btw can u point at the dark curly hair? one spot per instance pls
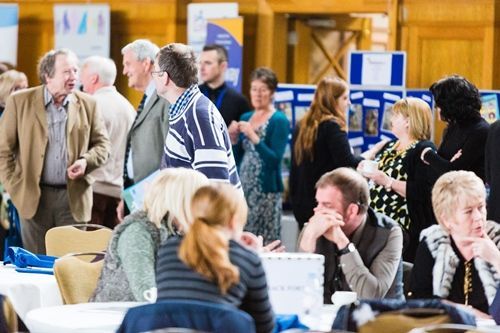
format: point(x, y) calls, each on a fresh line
point(458, 99)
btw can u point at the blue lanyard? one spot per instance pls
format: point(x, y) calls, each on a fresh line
point(218, 101)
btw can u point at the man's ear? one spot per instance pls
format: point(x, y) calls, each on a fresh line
point(352, 211)
point(95, 78)
point(147, 64)
point(223, 65)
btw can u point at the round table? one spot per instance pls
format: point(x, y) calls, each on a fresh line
point(79, 318)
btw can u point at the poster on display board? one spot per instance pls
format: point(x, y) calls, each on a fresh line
point(199, 13)
point(369, 119)
point(490, 108)
point(9, 27)
point(294, 101)
point(84, 29)
point(377, 70)
point(229, 33)
point(423, 94)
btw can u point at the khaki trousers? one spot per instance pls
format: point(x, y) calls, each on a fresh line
point(53, 211)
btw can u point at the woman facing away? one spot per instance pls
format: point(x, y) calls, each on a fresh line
point(210, 264)
point(129, 263)
point(403, 183)
point(259, 140)
point(458, 103)
point(452, 259)
point(320, 145)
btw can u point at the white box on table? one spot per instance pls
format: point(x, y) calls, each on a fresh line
point(295, 281)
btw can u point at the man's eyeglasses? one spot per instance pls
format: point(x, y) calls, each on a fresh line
point(159, 73)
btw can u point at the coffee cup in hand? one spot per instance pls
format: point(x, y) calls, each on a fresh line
point(340, 298)
point(369, 166)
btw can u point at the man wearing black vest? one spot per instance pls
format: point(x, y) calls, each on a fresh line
point(213, 67)
point(362, 248)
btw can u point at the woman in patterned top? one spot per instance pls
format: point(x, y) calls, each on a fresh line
point(129, 264)
point(210, 264)
point(259, 140)
point(403, 183)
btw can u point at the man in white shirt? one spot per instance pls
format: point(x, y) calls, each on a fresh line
point(98, 75)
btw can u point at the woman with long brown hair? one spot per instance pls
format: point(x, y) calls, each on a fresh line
point(319, 145)
point(210, 264)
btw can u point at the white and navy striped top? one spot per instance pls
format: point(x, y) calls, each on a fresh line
point(198, 139)
point(175, 280)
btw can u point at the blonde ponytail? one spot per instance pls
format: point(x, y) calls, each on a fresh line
point(205, 247)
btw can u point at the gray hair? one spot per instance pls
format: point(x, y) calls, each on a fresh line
point(47, 63)
point(143, 49)
point(104, 67)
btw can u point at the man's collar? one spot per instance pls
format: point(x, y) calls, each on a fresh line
point(150, 89)
point(48, 98)
point(105, 89)
point(178, 106)
point(219, 88)
point(356, 235)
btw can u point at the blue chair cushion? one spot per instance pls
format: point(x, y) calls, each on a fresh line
point(203, 316)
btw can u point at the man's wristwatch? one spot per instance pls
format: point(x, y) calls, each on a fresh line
point(348, 249)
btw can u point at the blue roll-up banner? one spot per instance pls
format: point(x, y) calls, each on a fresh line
point(228, 32)
point(9, 27)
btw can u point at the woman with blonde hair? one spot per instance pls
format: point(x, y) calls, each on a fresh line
point(129, 264)
point(10, 82)
point(210, 264)
point(403, 182)
point(320, 145)
point(453, 257)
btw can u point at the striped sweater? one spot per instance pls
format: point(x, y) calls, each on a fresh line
point(175, 280)
point(198, 139)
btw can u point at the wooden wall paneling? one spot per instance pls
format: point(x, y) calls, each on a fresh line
point(299, 65)
point(442, 41)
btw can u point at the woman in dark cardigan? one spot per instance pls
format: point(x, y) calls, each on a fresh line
point(319, 145)
point(458, 103)
point(403, 183)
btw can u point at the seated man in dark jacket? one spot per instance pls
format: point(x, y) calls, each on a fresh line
point(362, 248)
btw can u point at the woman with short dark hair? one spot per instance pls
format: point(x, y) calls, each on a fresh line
point(458, 103)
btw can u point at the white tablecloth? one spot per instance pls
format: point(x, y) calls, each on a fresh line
point(78, 318)
point(28, 291)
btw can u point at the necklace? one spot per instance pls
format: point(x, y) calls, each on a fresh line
point(467, 281)
point(393, 154)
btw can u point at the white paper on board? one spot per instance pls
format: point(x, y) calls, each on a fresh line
point(427, 98)
point(373, 103)
point(376, 69)
point(305, 97)
point(283, 96)
point(357, 95)
point(391, 97)
point(355, 142)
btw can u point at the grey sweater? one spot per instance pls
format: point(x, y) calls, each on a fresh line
point(129, 264)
